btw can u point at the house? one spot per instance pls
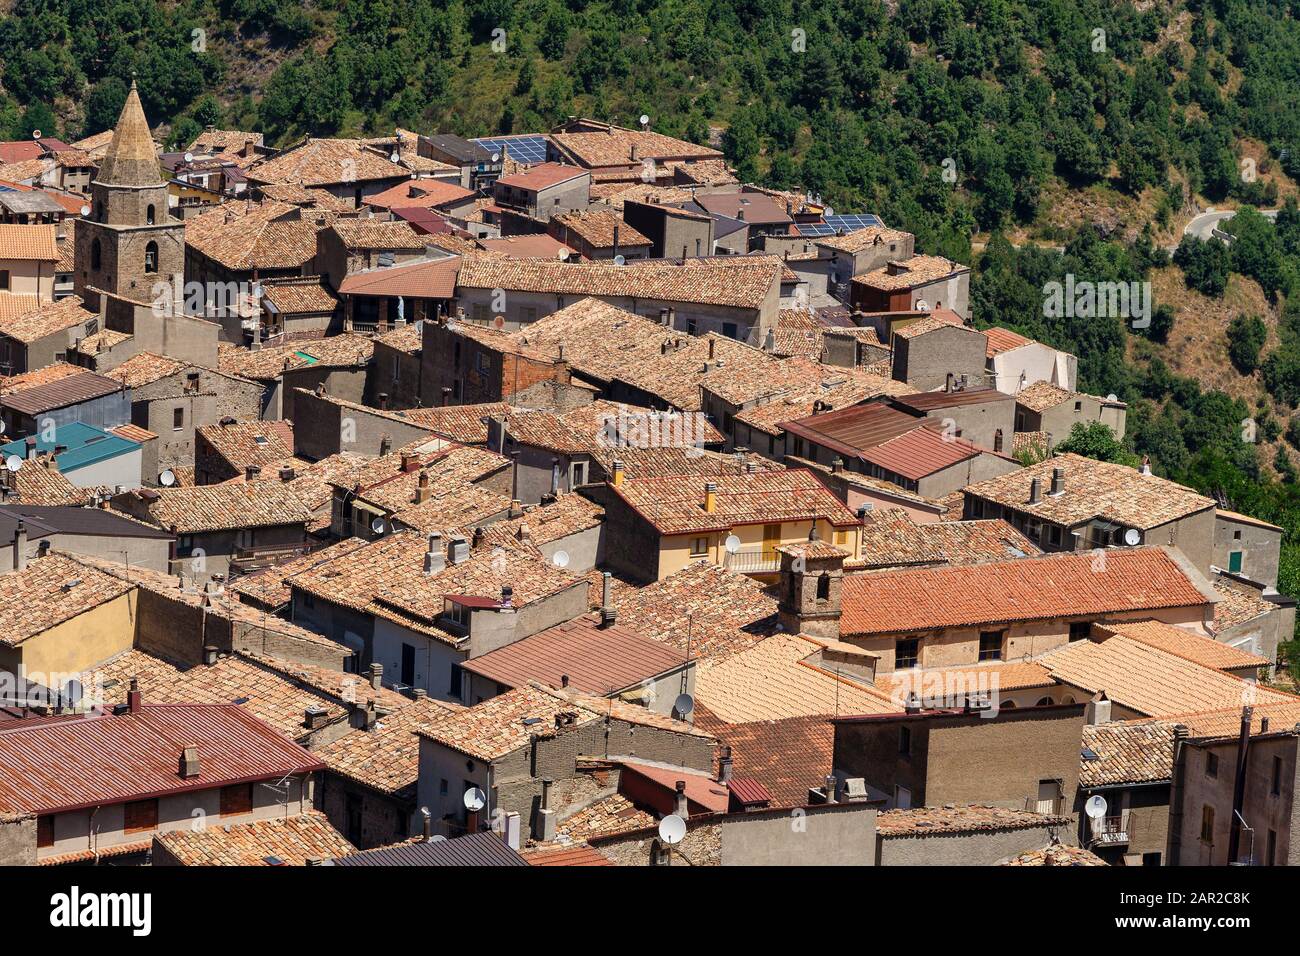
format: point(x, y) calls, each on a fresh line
point(1246, 546)
point(937, 350)
point(892, 539)
point(761, 214)
point(1053, 411)
point(543, 191)
point(569, 531)
point(841, 257)
point(1129, 764)
point(300, 840)
point(88, 457)
point(657, 526)
point(1070, 502)
point(525, 745)
point(671, 228)
point(355, 245)
point(616, 154)
point(976, 835)
point(981, 415)
point(345, 168)
point(28, 255)
point(550, 458)
point(114, 782)
point(476, 165)
point(338, 365)
point(440, 196)
point(473, 849)
point(327, 426)
point(387, 298)
point(231, 448)
point(84, 397)
point(1016, 362)
point(600, 234)
point(397, 366)
point(27, 530)
point(924, 282)
point(298, 307)
point(220, 527)
point(597, 658)
point(34, 335)
point(421, 605)
point(895, 444)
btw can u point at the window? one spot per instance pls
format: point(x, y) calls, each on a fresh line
point(1275, 788)
point(178, 419)
point(1270, 854)
point(44, 831)
point(906, 653)
point(236, 799)
point(408, 664)
point(699, 547)
point(4, 278)
point(579, 476)
point(823, 587)
point(1234, 562)
point(729, 330)
point(140, 815)
point(1044, 702)
point(149, 215)
point(997, 440)
point(1207, 824)
point(95, 258)
point(990, 645)
point(1078, 406)
point(151, 257)
point(1054, 535)
point(1080, 630)
point(1211, 764)
point(457, 674)
point(1236, 536)
point(905, 741)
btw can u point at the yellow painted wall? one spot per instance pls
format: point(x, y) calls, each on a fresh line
point(83, 642)
point(675, 550)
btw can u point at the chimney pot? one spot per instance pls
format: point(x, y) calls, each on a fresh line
point(1035, 491)
point(134, 699)
point(377, 675)
point(1058, 481)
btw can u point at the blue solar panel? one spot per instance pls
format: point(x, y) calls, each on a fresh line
point(814, 229)
point(522, 149)
point(831, 225)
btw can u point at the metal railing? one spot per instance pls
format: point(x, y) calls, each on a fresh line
point(752, 562)
point(1109, 831)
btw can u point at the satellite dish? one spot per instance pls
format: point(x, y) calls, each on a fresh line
point(475, 799)
point(189, 157)
point(671, 829)
point(2, 427)
point(645, 120)
point(499, 321)
point(36, 134)
point(922, 305)
point(1132, 537)
point(439, 838)
point(620, 259)
point(13, 462)
point(1095, 807)
point(377, 526)
point(394, 156)
point(828, 211)
point(1112, 397)
point(684, 704)
point(496, 157)
point(732, 544)
point(560, 559)
point(167, 478)
point(85, 210)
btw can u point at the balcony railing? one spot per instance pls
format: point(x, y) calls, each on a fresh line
point(253, 559)
point(753, 562)
point(1109, 831)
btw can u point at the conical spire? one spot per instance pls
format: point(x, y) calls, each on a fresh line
point(131, 159)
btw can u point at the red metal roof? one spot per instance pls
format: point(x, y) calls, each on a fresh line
point(74, 764)
point(920, 452)
point(749, 792)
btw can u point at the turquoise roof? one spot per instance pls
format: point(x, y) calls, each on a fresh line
point(86, 445)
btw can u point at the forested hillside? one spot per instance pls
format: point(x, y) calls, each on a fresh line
point(1000, 132)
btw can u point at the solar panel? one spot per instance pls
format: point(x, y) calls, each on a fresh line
point(522, 149)
point(831, 225)
point(815, 229)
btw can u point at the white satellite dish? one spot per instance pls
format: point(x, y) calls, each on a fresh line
point(167, 478)
point(499, 321)
point(828, 211)
point(560, 559)
point(2, 427)
point(645, 120)
point(732, 544)
point(684, 704)
point(189, 157)
point(85, 210)
point(475, 799)
point(36, 134)
point(394, 156)
point(496, 157)
point(1112, 397)
point(1132, 537)
point(922, 305)
point(672, 829)
point(620, 259)
point(13, 462)
point(377, 526)
point(1095, 807)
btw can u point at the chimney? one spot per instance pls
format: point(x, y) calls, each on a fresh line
point(710, 497)
point(545, 828)
point(564, 680)
point(831, 788)
point(20, 546)
point(315, 717)
point(618, 473)
point(724, 766)
point(210, 654)
point(555, 476)
point(1058, 482)
point(426, 825)
point(507, 598)
point(607, 613)
point(383, 401)
point(435, 559)
point(458, 549)
point(134, 700)
point(837, 465)
point(251, 472)
point(385, 445)
point(446, 396)
point(948, 383)
point(189, 763)
point(616, 241)
point(410, 461)
point(377, 675)
point(1098, 710)
point(31, 448)
point(672, 312)
point(740, 214)
point(712, 343)
point(679, 800)
point(422, 489)
point(1035, 491)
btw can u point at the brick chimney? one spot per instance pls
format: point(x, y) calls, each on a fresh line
point(252, 472)
point(422, 489)
point(134, 699)
point(680, 806)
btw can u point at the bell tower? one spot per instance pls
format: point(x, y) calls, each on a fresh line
point(128, 243)
point(812, 572)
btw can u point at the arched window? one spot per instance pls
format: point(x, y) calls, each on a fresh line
point(823, 587)
point(148, 215)
point(95, 258)
point(1045, 702)
point(151, 257)
point(997, 440)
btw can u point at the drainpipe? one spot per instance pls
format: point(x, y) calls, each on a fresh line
point(1239, 785)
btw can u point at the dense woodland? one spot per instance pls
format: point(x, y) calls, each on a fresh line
point(975, 124)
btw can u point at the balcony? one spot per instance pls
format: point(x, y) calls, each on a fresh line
point(1109, 831)
point(245, 560)
point(752, 562)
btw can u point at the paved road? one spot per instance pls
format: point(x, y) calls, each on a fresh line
point(1203, 226)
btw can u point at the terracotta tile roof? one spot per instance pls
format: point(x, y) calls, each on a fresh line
point(375, 234)
point(459, 507)
point(670, 462)
point(1033, 442)
point(1049, 587)
point(47, 319)
point(28, 169)
point(1041, 396)
point(254, 239)
point(1093, 489)
point(1189, 645)
point(1058, 854)
point(327, 162)
point(771, 417)
point(227, 507)
point(1238, 605)
point(718, 611)
point(614, 195)
point(422, 193)
point(615, 147)
point(133, 433)
point(1282, 713)
point(737, 281)
point(542, 176)
point(295, 194)
point(267, 364)
point(313, 482)
point(909, 273)
point(552, 855)
point(101, 341)
point(950, 818)
point(548, 431)
point(28, 242)
point(610, 816)
point(387, 756)
point(298, 295)
point(860, 239)
point(995, 675)
point(221, 140)
point(890, 538)
point(461, 423)
point(241, 444)
point(599, 661)
point(95, 143)
point(1127, 752)
point(774, 679)
point(786, 756)
point(405, 338)
point(675, 505)
point(291, 840)
point(49, 591)
point(1151, 681)
point(383, 482)
point(116, 758)
point(145, 368)
point(431, 279)
point(38, 484)
point(615, 424)
point(545, 524)
point(1240, 518)
point(1003, 340)
point(268, 588)
point(596, 227)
